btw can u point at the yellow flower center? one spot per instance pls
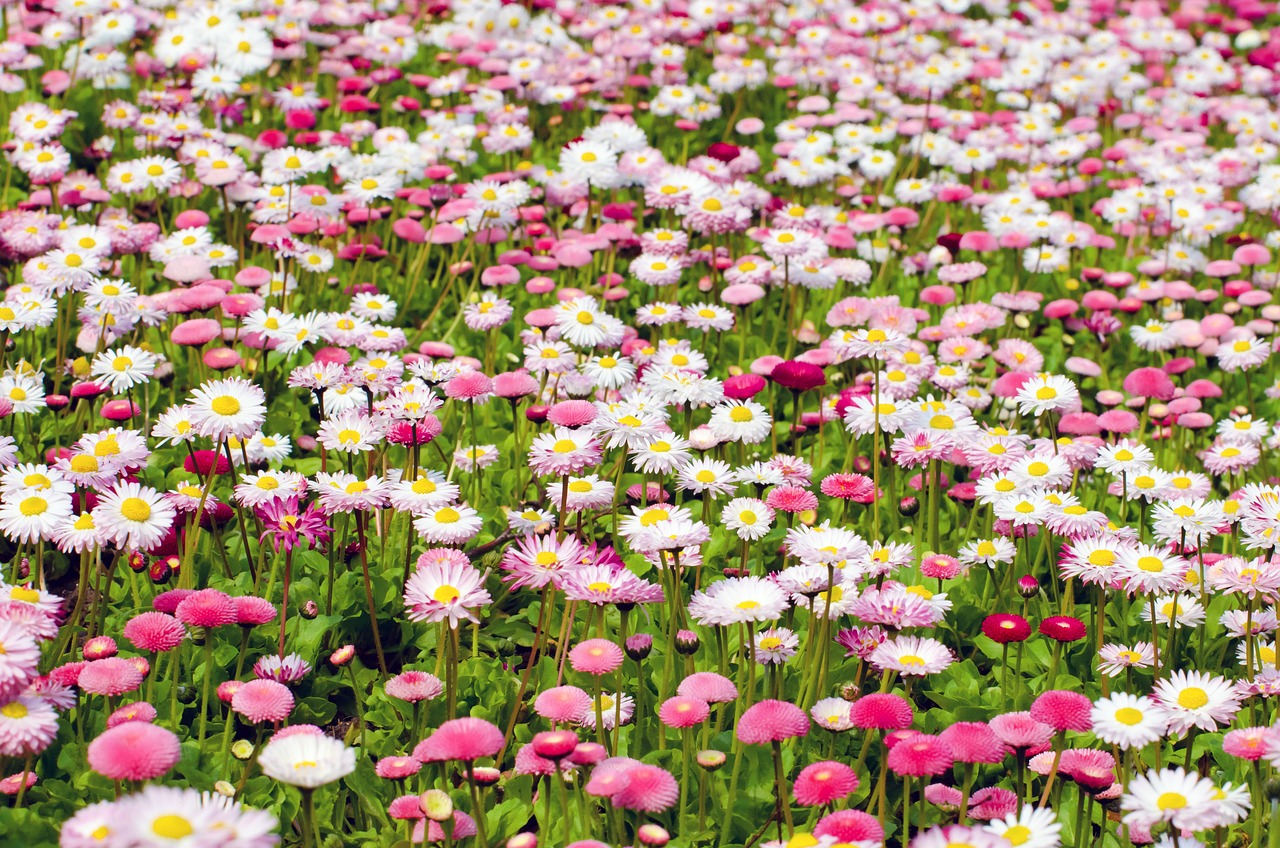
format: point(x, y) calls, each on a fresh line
point(225, 405)
point(1193, 698)
point(1128, 716)
point(135, 509)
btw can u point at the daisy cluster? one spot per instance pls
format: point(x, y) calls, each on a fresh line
point(824, 424)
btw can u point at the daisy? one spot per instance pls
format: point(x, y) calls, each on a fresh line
point(266, 486)
point(662, 455)
point(741, 421)
point(832, 714)
point(1184, 800)
point(988, 552)
point(133, 516)
point(1047, 393)
point(562, 452)
point(1113, 660)
point(912, 656)
point(1129, 721)
point(122, 369)
point(269, 449)
point(1170, 609)
point(27, 725)
point(736, 600)
point(1196, 699)
point(536, 561)
point(623, 425)
point(230, 407)
point(614, 708)
point(174, 426)
point(608, 584)
point(78, 534)
point(430, 489)
point(706, 316)
point(531, 520)
point(448, 525)
point(342, 492)
point(749, 518)
point(1242, 354)
point(707, 477)
point(29, 515)
point(307, 760)
point(609, 371)
point(582, 493)
point(1146, 569)
point(777, 645)
point(24, 391)
point(349, 432)
point(642, 518)
point(445, 592)
point(1029, 827)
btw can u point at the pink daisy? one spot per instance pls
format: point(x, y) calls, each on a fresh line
point(772, 721)
point(134, 751)
point(595, 656)
point(824, 783)
point(465, 739)
point(262, 701)
point(563, 704)
point(646, 788)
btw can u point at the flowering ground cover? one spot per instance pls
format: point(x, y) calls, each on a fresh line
point(825, 425)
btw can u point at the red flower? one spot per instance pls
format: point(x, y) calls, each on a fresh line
point(798, 376)
point(1063, 628)
point(1006, 627)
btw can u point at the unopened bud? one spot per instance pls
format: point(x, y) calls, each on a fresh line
point(639, 646)
point(687, 642)
point(653, 834)
point(1028, 586)
point(711, 759)
point(436, 804)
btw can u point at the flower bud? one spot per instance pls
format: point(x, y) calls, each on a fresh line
point(342, 656)
point(653, 834)
point(225, 789)
point(437, 805)
point(310, 610)
point(711, 759)
point(99, 647)
point(687, 642)
point(588, 754)
point(1028, 586)
point(160, 572)
point(242, 749)
point(909, 506)
point(639, 646)
point(486, 775)
point(554, 744)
